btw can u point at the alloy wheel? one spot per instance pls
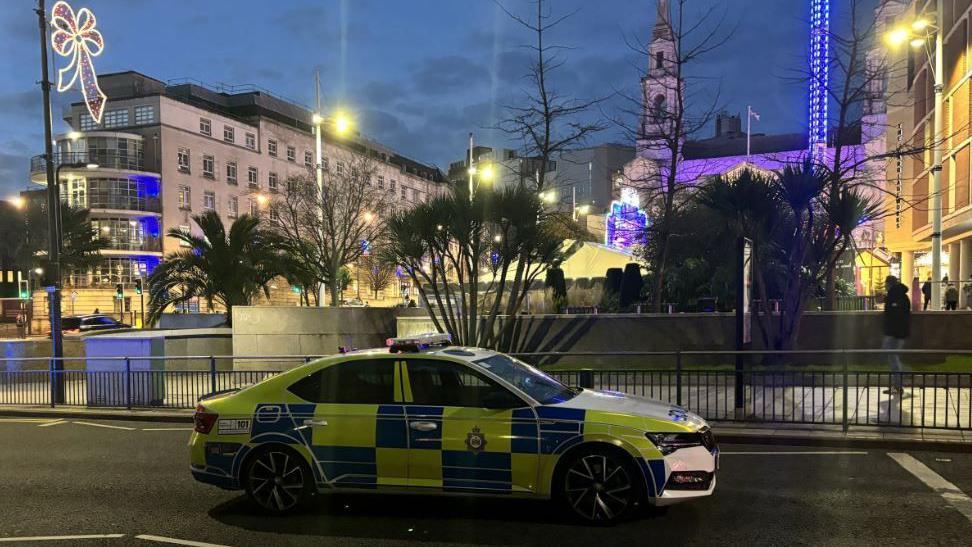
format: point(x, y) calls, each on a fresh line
point(598, 488)
point(276, 481)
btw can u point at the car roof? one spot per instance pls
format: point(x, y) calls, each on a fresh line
point(462, 353)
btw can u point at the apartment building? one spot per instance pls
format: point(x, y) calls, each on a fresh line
point(165, 151)
point(908, 227)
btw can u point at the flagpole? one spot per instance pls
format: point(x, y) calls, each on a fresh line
point(749, 126)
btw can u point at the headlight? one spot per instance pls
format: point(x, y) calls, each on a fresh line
point(670, 442)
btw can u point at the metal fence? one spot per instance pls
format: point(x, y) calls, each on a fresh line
point(774, 387)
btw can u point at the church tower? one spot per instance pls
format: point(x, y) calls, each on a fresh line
point(659, 88)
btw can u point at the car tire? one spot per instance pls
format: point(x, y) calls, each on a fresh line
point(599, 485)
point(277, 479)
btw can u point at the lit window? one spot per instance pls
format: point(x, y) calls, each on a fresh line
point(251, 177)
point(272, 147)
point(291, 153)
point(87, 123)
point(184, 160)
point(144, 114)
point(251, 141)
point(231, 172)
point(229, 135)
point(185, 198)
point(272, 181)
point(209, 201)
point(233, 207)
point(115, 118)
point(205, 126)
point(209, 167)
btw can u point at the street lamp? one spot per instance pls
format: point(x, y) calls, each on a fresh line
point(917, 34)
point(18, 202)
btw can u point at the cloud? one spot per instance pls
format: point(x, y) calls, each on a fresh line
point(442, 75)
point(14, 173)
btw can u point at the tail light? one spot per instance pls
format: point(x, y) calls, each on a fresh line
point(203, 421)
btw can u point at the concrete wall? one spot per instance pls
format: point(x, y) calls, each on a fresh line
point(281, 331)
point(700, 332)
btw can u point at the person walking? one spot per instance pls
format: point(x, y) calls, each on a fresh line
point(951, 297)
point(926, 292)
point(897, 328)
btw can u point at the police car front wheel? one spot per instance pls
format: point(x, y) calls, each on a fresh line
point(277, 479)
point(599, 486)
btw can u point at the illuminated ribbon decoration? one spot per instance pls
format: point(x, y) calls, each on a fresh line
point(76, 37)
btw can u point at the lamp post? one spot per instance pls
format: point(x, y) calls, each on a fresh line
point(917, 35)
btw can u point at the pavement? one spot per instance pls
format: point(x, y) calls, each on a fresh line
point(119, 483)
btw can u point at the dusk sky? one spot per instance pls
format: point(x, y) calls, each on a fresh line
point(418, 75)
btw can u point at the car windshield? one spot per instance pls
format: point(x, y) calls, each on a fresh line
point(527, 379)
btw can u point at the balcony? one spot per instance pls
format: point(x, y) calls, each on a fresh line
point(147, 245)
point(105, 159)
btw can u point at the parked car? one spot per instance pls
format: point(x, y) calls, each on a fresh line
point(423, 416)
point(88, 323)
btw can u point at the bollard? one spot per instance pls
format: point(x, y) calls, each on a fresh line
point(128, 383)
point(212, 374)
point(678, 378)
point(844, 423)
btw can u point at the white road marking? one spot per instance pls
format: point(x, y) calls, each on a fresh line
point(798, 453)
point(166, 429)
point(955, 497)
point(55, 422)
point(162, 539)
point(57, 538)
point(92, 424)
point(24, 420)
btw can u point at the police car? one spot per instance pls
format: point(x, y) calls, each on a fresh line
point(424, 416)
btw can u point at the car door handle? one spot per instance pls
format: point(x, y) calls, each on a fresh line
point(423, 426)
point(313, 423)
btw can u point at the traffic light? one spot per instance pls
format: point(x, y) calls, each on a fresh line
point(24, 289)
point(138, 286)
point(119, 291)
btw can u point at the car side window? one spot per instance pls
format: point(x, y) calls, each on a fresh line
point(441, 383)
point(370, 382)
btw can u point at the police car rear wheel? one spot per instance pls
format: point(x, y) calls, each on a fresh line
point(599, 487)
point(278, 480)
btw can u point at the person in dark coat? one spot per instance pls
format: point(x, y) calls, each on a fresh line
point(897, 328)
point(926, 292)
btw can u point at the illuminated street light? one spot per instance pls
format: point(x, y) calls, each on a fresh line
point(368, 217)
point(74, 135)
point(39, 271)
point(917, 42)
point(262, 200)
point(487, 173)
point(920, 24)
point(584, 209)
point(548, 196)
point(497, 238)
point(897, 36)
point(317, 119)
point(18, 202)
point(342, 123)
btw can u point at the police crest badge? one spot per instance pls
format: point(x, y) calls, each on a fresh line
point(475, 440)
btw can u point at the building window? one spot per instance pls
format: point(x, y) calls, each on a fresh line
point(205, 126)
point(231, 172)
point(115, 118)
point(340, 167)
point(308, 159)
point(291, 153)
point(209, 201)
point(272, 147)
point(404, 192)
point(229, 135)
point(87, 123)
point(251, 141)
point(274, 215)
point(416, 195)
point(233, 207)
point(324, 164)
point(185, 198)
point(184, 229)
point(252, 207)
point(381, 182)
point(184, 160)
point(251, 177)
point(144, 114)
point(209, 167)
point(391, 185)
point(272, 181)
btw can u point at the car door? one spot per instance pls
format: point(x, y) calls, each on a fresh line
point(466, 431)
point(358, 431)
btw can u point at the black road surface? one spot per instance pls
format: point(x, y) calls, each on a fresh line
point(76, 479)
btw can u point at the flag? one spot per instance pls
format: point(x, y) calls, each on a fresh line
point(754, 114)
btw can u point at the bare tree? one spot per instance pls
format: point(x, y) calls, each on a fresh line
point(324, 230)
point(545, 122)
point(670, 111)
point(378, 272)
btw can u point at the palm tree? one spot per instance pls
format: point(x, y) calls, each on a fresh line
point(226, 269)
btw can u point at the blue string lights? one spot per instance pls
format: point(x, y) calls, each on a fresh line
point(819, 74)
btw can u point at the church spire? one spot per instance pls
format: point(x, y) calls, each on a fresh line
point(663, 26)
